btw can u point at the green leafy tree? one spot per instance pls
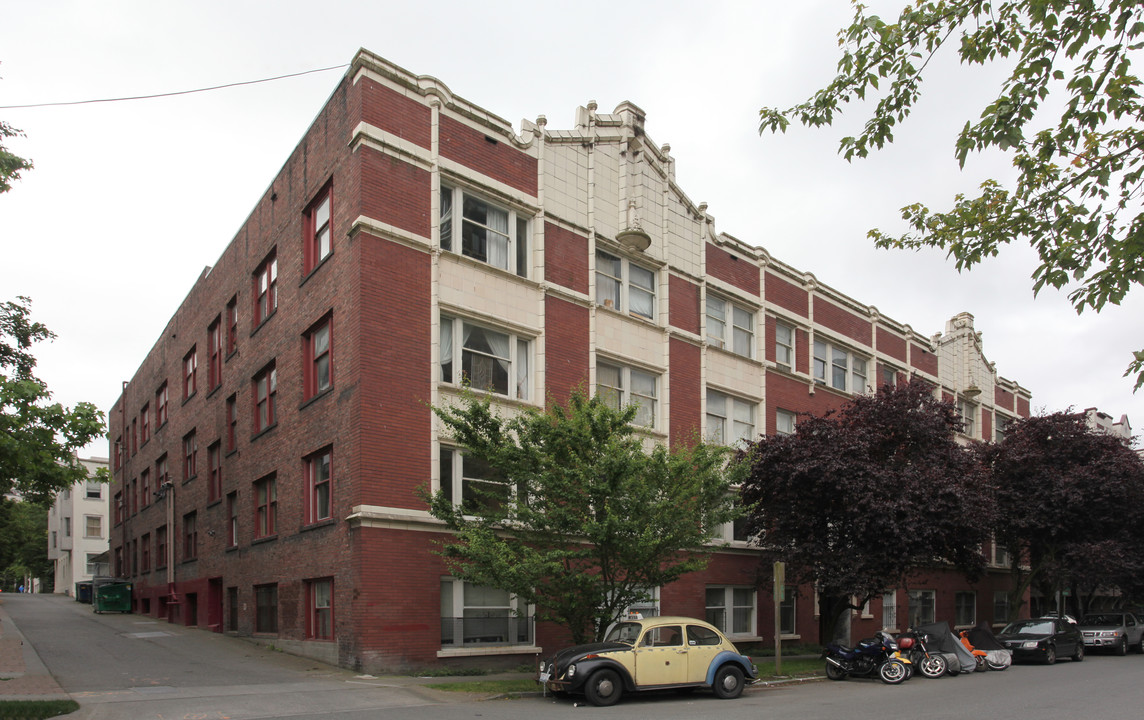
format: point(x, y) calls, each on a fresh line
point(11, 165)
point(23, 543)
point(38, 438)
point(857, 501)
point(575, 516)
point(1077, 196)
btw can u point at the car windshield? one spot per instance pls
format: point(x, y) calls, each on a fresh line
point(625, 632)
point(1030, 627)
point(1103, 620)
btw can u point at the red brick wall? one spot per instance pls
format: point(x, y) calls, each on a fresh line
point(923, 359)
point(684, 309)
point(787, 295)
point(1003, 398)
point(395, 113)
point(740, 272)
point(843, 321)
point(802, 350)
point(395, 192)
point(565, 258)
point(492, 157)
point(891, 344)
point(790, 394)
point(986, 425)
point(1023, 407)
point(565, 348)
point(685, 387)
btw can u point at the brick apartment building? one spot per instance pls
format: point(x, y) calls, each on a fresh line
point(269, 450)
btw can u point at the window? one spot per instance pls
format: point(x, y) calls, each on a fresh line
point(318, 486)
point(485, 232)
point(619, 386)
point(190, 536)
point(847, 371)
point(469, 481)
point(730, 326)
point(1000, 428)
point(92, 526)
point(134, 436)
point(489, 360)
point(190, 456)
point(784, 422)
point(265, 289)
point(890, 610)
point(232, 609)
point(889, 376)
point(784, 346)
point(232, 325)
point(266, 507)
point(732, 610)
point(965, 608)
point(476, 615)
point(161, 406)
point(1000, 606)
point(317, 347)
point(232, 519)
point(921, 607)
point(145, 424)
point(788, 619)
point(214, 467)
point(265, 394)
point(730, 420)
point(1001, 555)
point(613, 285)
point(133, 498)
point(161, 546)
point(145, 486)
point(93, 566)
point(266, 608)
point(214, 362)
point(320, 609)
point(118, 452)
point(190, 364)
point(968, 413)
point(145, 557)
point(119, 509)
point(162, 479)
point(231, 423)
point(93, 490)
point(317, 228)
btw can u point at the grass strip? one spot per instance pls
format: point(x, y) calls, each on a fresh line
point(35, 709)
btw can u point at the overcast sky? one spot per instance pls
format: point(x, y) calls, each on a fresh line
point(129, 201)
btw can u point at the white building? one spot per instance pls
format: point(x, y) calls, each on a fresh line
point(78, 530)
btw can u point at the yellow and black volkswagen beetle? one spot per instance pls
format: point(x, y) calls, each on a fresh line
point(655, 653)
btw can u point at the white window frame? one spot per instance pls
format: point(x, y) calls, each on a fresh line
point(959, 607)
point(734, 599)
point(784, 351)
point(1000, 426)
point(730, 326)
point(452, 233)
point(616, 291)
point(924, 600)
point(625, 393)
point(87, 522)
point(789, 603)
point(454, 604)
point(785, 422)
point(968, 412)
point(94, 490)
point(890, 610)
point(519, 370)
point(728, 412)
point(841, 364)
point(453, 478)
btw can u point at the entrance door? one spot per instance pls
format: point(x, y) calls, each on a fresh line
point(214, 604)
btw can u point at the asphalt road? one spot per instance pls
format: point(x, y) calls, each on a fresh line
point(126, 666)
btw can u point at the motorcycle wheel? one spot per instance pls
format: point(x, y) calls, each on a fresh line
point(996, 665)
point(893, 672)
point(933, 666)
point(981, 667)
point(834, 672)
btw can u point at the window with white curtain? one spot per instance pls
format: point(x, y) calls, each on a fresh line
point(731, 609)
point(483, 231)
point(730, 420)
point(619, 386)
point(730, 326)
point(784, 422)
point(624, 286)
point(841, 369)
point(784, 345)
point(485, 359)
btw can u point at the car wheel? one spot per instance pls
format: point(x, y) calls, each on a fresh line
point(834, 672)
point(1122, 648)
point(892, 672)
point(1140, 645)
point(728, 682)
point(1050, 656)
point(1079, 654)
point(603, 688)
point(933, 666)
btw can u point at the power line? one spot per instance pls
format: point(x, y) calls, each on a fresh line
point(170, 94)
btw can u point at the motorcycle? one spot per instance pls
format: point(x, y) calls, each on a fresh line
point(983, 640)
point(876, 657)
point(979, 656)
point(913, 644)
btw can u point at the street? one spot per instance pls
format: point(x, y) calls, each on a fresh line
point(126, 666)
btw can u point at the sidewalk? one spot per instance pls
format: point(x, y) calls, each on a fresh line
point(22, 674)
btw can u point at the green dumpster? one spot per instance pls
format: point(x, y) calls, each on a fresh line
point(111, 597)
point(83, 592)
